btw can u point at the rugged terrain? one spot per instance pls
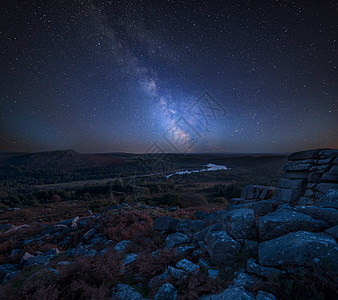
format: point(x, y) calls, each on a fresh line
point(269, 243)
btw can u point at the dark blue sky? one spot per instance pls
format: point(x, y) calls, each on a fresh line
point(104, 76)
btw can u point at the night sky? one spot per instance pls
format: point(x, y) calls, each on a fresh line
point(182, 76)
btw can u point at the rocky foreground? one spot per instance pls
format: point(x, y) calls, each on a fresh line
point(272, 243)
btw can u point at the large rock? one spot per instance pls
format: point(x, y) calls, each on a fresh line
point(231, 293)
point(296, 175)
point(166, 292)
point(328, 153)
point(291, 183)
point(125, 292)
point(243, 279)
point(43, 260)
point(165, 224)
point(268, 272)
point(251, 247)
point(201, 235)
point(158, 279)
point(7, 268)
point(176, 273)
point(297, 167)
point(130, 258)
point(265, 296)
point(190, 225)
point(326, 187)
point(267, 192)
point(122, 246)
point(240, 223)
point(329, 215)
point(330, 199)
point(216, 216)
point(89, 234)
point(298, 248)
point(286, 195)
point(333, 231)
point(222, 247)
point(259, 207)
point(282, 222)
point(188, 266)
point(175, 239)
point(252, 191)
point(301, 155)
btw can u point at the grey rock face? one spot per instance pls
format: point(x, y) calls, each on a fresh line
point(254, 268)
point(176, 273)
point(213, 274)
point(282, 222)
point(200, 236)
point(298, 248)
point(329, 215)
point(328, 153)
point(236, 201)
point(89, 234)
point(7, 268)
point(326, 187)
point(260, 207)
point(252, 191)
point(39, 260)
point(9, 276)
point(267, 192)
point(165, 224)
point(221, 246)
point(185, 248)
point(122, 246)
point(244, 280)
point(158, 279)
point(296, 175)
point(183, 226)
point(188, 266)
point(25, 258)
point(333, 231)
point(175, 239)
point(131, 257)
point(197, 225)
point(81, 251)
point(231, 293)
point(329, 200)
point(291, 183)
point(251, 247)
point(203, 263)
point(240, 223)
point(125, 292)
point(265, 296)
point(286, 195)
point(166, 292)
point(297, 166)
point(301, 155)
point(190, 225)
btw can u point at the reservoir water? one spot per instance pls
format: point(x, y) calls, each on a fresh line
point(209, 167)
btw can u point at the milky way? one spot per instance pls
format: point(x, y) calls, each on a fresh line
point(174, 76)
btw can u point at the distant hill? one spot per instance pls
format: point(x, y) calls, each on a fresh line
point(62, 159)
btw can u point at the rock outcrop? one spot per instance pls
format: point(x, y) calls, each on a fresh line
point(278, 231)
point(308, 176)
point(300, 248)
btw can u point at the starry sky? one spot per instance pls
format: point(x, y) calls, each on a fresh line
point(168, 76)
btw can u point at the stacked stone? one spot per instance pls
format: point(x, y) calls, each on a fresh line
point(256, 197)
point(308, 176)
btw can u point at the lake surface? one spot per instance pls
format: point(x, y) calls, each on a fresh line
point(209, 167)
